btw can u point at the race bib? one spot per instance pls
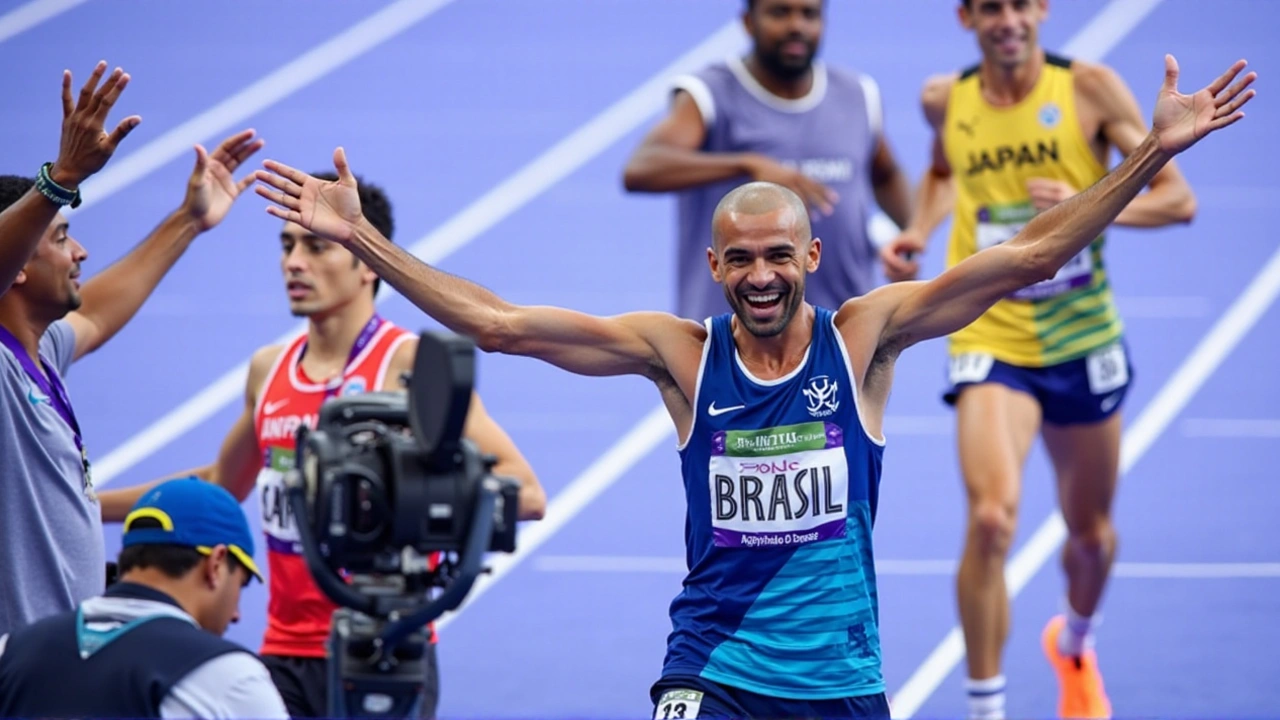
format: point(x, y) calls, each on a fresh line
point(999, 223)
point(1108, 369)
point(970, 367)
point(278, 521)
point(676, 704)
point(778, 487)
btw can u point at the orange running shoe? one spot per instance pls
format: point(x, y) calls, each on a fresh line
point(1080, 690)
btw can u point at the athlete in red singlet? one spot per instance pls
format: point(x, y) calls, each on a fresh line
point(347, 349)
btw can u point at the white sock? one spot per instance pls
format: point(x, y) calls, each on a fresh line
point(1077, 636)
point(986, 698)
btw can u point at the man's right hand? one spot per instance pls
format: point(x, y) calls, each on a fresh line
point(815, 195)
point(85, 146)
point(328, 209)
point(900, 256)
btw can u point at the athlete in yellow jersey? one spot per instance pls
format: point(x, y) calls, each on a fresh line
point(1014, 135)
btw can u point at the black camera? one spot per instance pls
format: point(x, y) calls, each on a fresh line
point(392, 502)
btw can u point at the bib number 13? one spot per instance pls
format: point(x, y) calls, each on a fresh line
point(678, 704)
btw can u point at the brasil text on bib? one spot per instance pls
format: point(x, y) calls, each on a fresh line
point(780, 486)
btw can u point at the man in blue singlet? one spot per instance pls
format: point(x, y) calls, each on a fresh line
point(778, 408)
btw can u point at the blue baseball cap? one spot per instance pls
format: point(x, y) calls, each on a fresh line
point(195, 514)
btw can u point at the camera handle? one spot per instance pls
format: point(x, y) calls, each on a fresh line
point(376, 668)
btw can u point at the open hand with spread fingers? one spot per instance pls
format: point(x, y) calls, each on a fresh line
point(328, 209)
point(1180, 121)
point(212, 187)
point(85, 145)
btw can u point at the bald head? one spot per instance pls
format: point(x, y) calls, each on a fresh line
point(754, 200)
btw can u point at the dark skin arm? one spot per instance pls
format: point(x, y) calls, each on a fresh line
point(84, 149)
point(669, 159)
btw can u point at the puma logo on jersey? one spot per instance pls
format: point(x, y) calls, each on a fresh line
point(995, 159)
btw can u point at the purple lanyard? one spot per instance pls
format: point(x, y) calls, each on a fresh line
point(362, 341)
point(51, 385)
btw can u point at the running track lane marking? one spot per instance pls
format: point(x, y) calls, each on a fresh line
point(558, 162)
point(267, 91)
point(19, 20)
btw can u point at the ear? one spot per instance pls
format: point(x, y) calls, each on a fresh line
point(22, 278)
point(216, 567)
point(813, 255)
point(966, 18)
point(714, 261)
point(369, 275)
point(748, 23)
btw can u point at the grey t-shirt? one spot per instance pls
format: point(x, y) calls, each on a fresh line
point(830, 135)
point(52, 554)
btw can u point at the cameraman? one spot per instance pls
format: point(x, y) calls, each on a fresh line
point(151, 646)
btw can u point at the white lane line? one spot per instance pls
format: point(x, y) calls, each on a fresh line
point(604, 472)
point(25, 17)
point(285, 80)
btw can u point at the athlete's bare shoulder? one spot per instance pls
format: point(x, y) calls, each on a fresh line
point(677, 341)
point(401, 362)
point(1098, 85)
point(862, 320)
point(934, 96)
point(263, 358)
point(260, 364)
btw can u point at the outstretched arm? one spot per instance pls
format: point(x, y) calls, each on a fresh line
point(959, 296)
point(636, 343)
point(85, 148)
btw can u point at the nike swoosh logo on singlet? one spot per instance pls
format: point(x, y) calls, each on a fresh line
point(713, 411)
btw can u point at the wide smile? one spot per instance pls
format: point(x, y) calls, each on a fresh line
point(763, 305)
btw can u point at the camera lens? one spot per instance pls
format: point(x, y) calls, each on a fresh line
point(368, 511)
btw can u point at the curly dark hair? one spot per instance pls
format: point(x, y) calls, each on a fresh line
point(374, 205)
point(12, 188)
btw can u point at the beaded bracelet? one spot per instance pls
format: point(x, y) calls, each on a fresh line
point(55, 192)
